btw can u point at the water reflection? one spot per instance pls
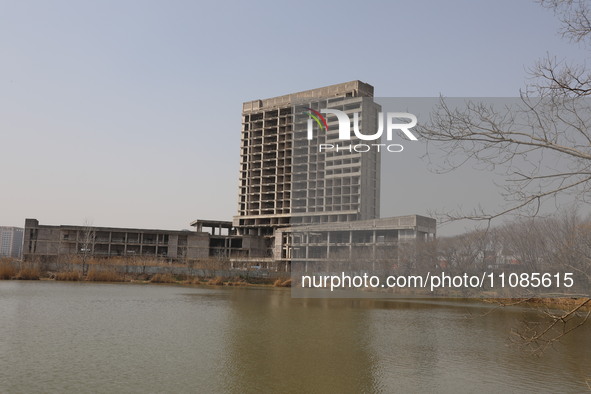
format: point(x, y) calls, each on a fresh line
point(70, 337)
point(299, 346)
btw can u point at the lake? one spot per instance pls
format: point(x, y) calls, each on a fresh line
point(129, 338)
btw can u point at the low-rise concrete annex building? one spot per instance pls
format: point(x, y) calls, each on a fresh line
point(49, 242)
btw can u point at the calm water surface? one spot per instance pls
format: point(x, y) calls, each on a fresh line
point(105, 338)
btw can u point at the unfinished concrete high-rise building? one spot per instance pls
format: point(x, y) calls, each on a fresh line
point(306, 196)
point(286, 180)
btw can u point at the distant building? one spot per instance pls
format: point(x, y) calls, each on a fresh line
point(308, 204)
point(11, 242)
point(49, 242)
point(225, 243)
point(286, 180)
point(363, 241)
point(296, 201)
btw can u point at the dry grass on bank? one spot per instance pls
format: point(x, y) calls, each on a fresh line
point(194, 281)
point(7, 269)
point(217, 281)
point(163, 278)
point(28, 272)
point(239, 282)
point(95, 275)
point(112, 270)
point(68, 276)
point(282, 283)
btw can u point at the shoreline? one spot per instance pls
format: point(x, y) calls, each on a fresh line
point(117, 273)
point(145, 274)
point(559, 303)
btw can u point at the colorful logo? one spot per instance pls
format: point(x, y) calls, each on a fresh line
point(320, 120)
point(391, 123)
point(388, 123)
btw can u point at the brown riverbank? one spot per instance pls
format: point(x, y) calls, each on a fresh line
point(119, 271)
point(563, 303)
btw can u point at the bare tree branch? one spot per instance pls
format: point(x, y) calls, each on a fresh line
point(538, 339)
point(541, 144)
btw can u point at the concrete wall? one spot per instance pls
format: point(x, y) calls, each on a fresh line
point(49, 242)
point(367, 240)
point(198, 246)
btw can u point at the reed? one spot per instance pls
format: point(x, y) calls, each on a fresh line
point(107, 275)
point(28, 272)
point(162, 278)
point(7, 269)
point(282, 283)
point(68, 276)
point(217, 281)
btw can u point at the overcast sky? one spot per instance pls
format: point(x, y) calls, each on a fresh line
point(127, 113)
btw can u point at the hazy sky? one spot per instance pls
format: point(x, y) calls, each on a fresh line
point(127, 113)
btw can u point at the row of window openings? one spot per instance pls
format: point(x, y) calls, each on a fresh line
point(120, 238)
point(304, 186)
point(302, 155)
point(343, 103)
point(269, 187)
point(345, 238)
point(286, 114)
point(257, 179)
point(282, 112)
point(271, 124)
point(323, 218)
point(257, 160)
point(281, 147)
point(345, 203)
point(336, 194)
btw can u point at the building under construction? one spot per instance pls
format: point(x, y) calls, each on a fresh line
point(286, 180)
point(295, 199)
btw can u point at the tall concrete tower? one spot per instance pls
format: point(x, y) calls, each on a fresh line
point(287, 179)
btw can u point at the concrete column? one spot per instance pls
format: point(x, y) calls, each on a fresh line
point(373, 250)
point(350, 244)
point(328, 244)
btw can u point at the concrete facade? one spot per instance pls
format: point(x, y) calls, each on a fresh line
point(284, 178)
point(365, 241)
point(225, 243)
point(295, 200)
point(49, 242)
point(308, 204)
point(11, 242)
